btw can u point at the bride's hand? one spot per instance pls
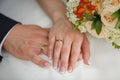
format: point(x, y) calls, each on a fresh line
point(66, 45)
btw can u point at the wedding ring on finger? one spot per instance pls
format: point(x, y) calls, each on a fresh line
point(43, 47)
point(59, 40)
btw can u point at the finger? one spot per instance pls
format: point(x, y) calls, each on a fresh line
point(43, 40)
point(86, 50)
point(65, 54)
point(44, 49)
point(74, 54)
point(43, 46)
point(39, 61)
point(57, 51)
point(51, 45)
point(80, 57)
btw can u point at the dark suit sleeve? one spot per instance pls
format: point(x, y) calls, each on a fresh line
point(0, 58)
point(5, 25)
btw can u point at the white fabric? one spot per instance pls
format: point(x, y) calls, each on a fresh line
point(105, 60)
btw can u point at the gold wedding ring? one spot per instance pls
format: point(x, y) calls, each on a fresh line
point(59, 40)
point(43, 47)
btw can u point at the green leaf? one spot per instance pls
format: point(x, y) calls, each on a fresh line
point(89, 17)
point(117, 26)
point(76, 27)
point(115, 45)
point(93, 25)
point(98, 26)
point(78, 22)
point(96, 14)
point(67, 0)
point(116, 14)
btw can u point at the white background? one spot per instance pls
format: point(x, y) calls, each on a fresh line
point(105, 60)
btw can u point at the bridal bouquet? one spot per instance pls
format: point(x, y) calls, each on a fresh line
point(101, 18)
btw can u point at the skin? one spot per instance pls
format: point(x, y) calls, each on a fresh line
point(24, 42)
point(66, 52)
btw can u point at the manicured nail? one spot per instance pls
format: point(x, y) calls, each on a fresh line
point(55, 65)
point(70, 69)
point(89, 63)
point(62, 70)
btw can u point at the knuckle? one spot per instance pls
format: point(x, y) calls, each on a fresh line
point(68, 34)
point(74, 56)
point(64, 50)
point(64, 55)
point(73, 61)
point(78, 37)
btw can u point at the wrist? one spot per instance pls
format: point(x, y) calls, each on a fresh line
point(12, 32)
point(63, 22)
point(58, 16)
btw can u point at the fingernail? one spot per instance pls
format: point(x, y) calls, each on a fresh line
point(46, 64)
point(55, 65)
point(89, 63)
point(70, 69)
point(62, 70)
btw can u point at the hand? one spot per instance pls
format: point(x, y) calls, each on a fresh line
point(26, 41)
point(66, 45)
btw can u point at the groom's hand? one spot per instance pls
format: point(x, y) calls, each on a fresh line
point(27, 42)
